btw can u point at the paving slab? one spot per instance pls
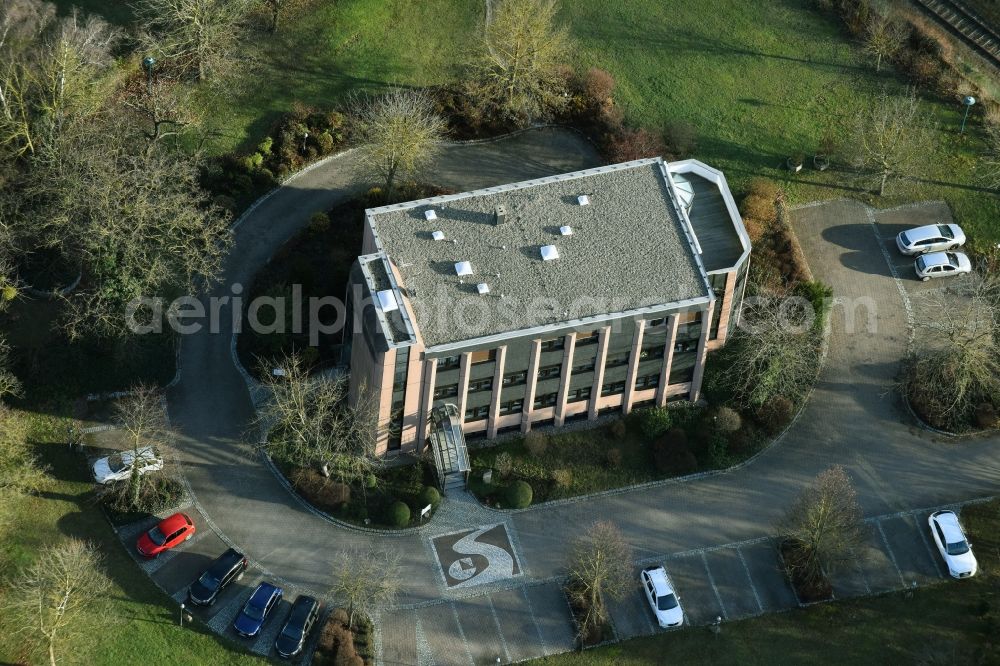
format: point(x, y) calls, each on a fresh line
point(444, 635)
point(184, 567)
point(399, 637)
point(551, 611)
point(732, 580)
point(773, 589)
point(907, 539)
point(875, 562)
point(481, 630)
point(691, 581)
point(631, 614)
point(518, 625)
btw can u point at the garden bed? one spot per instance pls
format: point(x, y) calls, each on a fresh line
point(807, 591)
point(594, 635)
point(341, 645)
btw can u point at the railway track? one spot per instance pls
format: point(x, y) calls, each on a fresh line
point(967, 25)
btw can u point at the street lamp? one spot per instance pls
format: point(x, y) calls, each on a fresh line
point(147, 63)
point(182, 614)
point(968, 102)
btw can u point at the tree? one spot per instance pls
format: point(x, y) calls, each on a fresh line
point(892, 136)
point(824, 524)
point(883, 38)
point(199, 38)
point(142, 416)
point(48, 598)
point(161, 108)
point(365, 579)
point(516, 70)
point(401, 133)
point(600, 566)
point(310, 422)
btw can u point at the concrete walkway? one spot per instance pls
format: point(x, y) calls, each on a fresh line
point(853, 419)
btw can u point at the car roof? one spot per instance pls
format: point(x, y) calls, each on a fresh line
point(173, 523)
point(226, 560)
point(301, 608)
point(935, 258)
point(658, 576)
point(950, 526)
point(923, 233)
point(265, 590)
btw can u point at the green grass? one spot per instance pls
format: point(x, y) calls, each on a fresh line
point(959, 617)
point(134, 618)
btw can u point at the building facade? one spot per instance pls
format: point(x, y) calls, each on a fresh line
point(543, 302)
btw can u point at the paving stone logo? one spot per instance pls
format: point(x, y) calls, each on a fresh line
point(476, 556)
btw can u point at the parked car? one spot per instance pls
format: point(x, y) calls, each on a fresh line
point(224, 570)
point(170, 531)
point(955, 548)
point(118, 467)
point(305, 612)
point(661, 596)
point(930, 238)
point(941, 264)
point(255, 611)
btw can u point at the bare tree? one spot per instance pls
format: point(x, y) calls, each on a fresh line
point(825, 526)
point(50, 596)
point(142, 416)
point(883, 38)
point(161, 107)
point(401, 133)
point(365, 579)
point(892, 136)
point(515, 71)
point(600, 566)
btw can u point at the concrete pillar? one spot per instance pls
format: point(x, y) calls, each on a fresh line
point(463, 384)
point(411, 399)
point(426, 401)
point(668, 359)
point(699, 366)
point(569, 346)
point(491, 426)
point(383, 398)
point(603, 339)
point(727, 309)
point(529, 389)
point(633, 366)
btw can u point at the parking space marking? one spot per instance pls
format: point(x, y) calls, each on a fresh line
point(753, 588)
point(934, 556)
point(534, 620)
point(461, 633)
point(888, 550)
point(711, 580)
point(496, 621)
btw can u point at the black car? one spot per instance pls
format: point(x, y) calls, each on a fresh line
point(305, 612)
point(228, 567)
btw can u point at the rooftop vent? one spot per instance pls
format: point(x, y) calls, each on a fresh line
point(500, 215)
point(430, 214)
point(483, 288)
point(566, 231)
point(437, 235)
point(549, 253)
point(685, 192)
point(583, 200)
point(463, 268)
point(387, 300)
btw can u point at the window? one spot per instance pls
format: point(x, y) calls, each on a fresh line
point(687, 345)
point(449, 391)
point(515, 378)
point(617, 360)
point(614, 388)
point(550, 371)
point(511, 407)
point(477, 413)
point(579, 395)
point(585, 367)
point(647, 382)
point(689, 317)
point(651, 353)
point(588, 338)
point(449, 362)
point(555, 344)
point(481, 385)
point(656, 323)
point(547, 400)
point(483, 356)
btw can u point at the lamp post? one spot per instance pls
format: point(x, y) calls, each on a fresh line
point(182, 614)
point(147, 63)
point(968, 101)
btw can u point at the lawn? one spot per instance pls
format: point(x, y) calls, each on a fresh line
point(958, 619)
point(134, 617)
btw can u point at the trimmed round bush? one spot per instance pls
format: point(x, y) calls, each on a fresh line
point(655, 421)
point(776, 413)
point(563, 478)
point(319, 223)
point(398, 514)
point(430, 495)
point(518, 495)
point(728, 420)
point(986, 416)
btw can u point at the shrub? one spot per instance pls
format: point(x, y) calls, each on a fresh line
point(563, 478)
point(755, 229)
point(598, 87)
point(398, 514)
point(728, 420)
point(655, 421)
point(633, 144)
point(667, 450)
point(986, 415)
point(717, 451)
point(675, 461)
point(776, 413)
point(762, 187)
point(618, 429)
point(818, 295)
point(518, 495)
point(319, 223)
point(430, 495)
point(681, 139)
point(614, 457)
point(758, 208)
point(324, 143)
point(264, 147)
point(536, 443)
point(503, 464)
point(341, 617)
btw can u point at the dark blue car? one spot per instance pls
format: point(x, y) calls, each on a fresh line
point(250, 620)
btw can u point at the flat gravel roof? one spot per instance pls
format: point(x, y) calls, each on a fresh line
point(628, 250)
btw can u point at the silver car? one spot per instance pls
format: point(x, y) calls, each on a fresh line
point(941, 264)
point(930, 238)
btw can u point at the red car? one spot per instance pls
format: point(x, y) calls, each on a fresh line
point(171, 531)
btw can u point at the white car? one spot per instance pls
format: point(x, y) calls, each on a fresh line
point(941, 264)
point(951, 541)
point(662, 598)
point(118, 466)
point(930, 238)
